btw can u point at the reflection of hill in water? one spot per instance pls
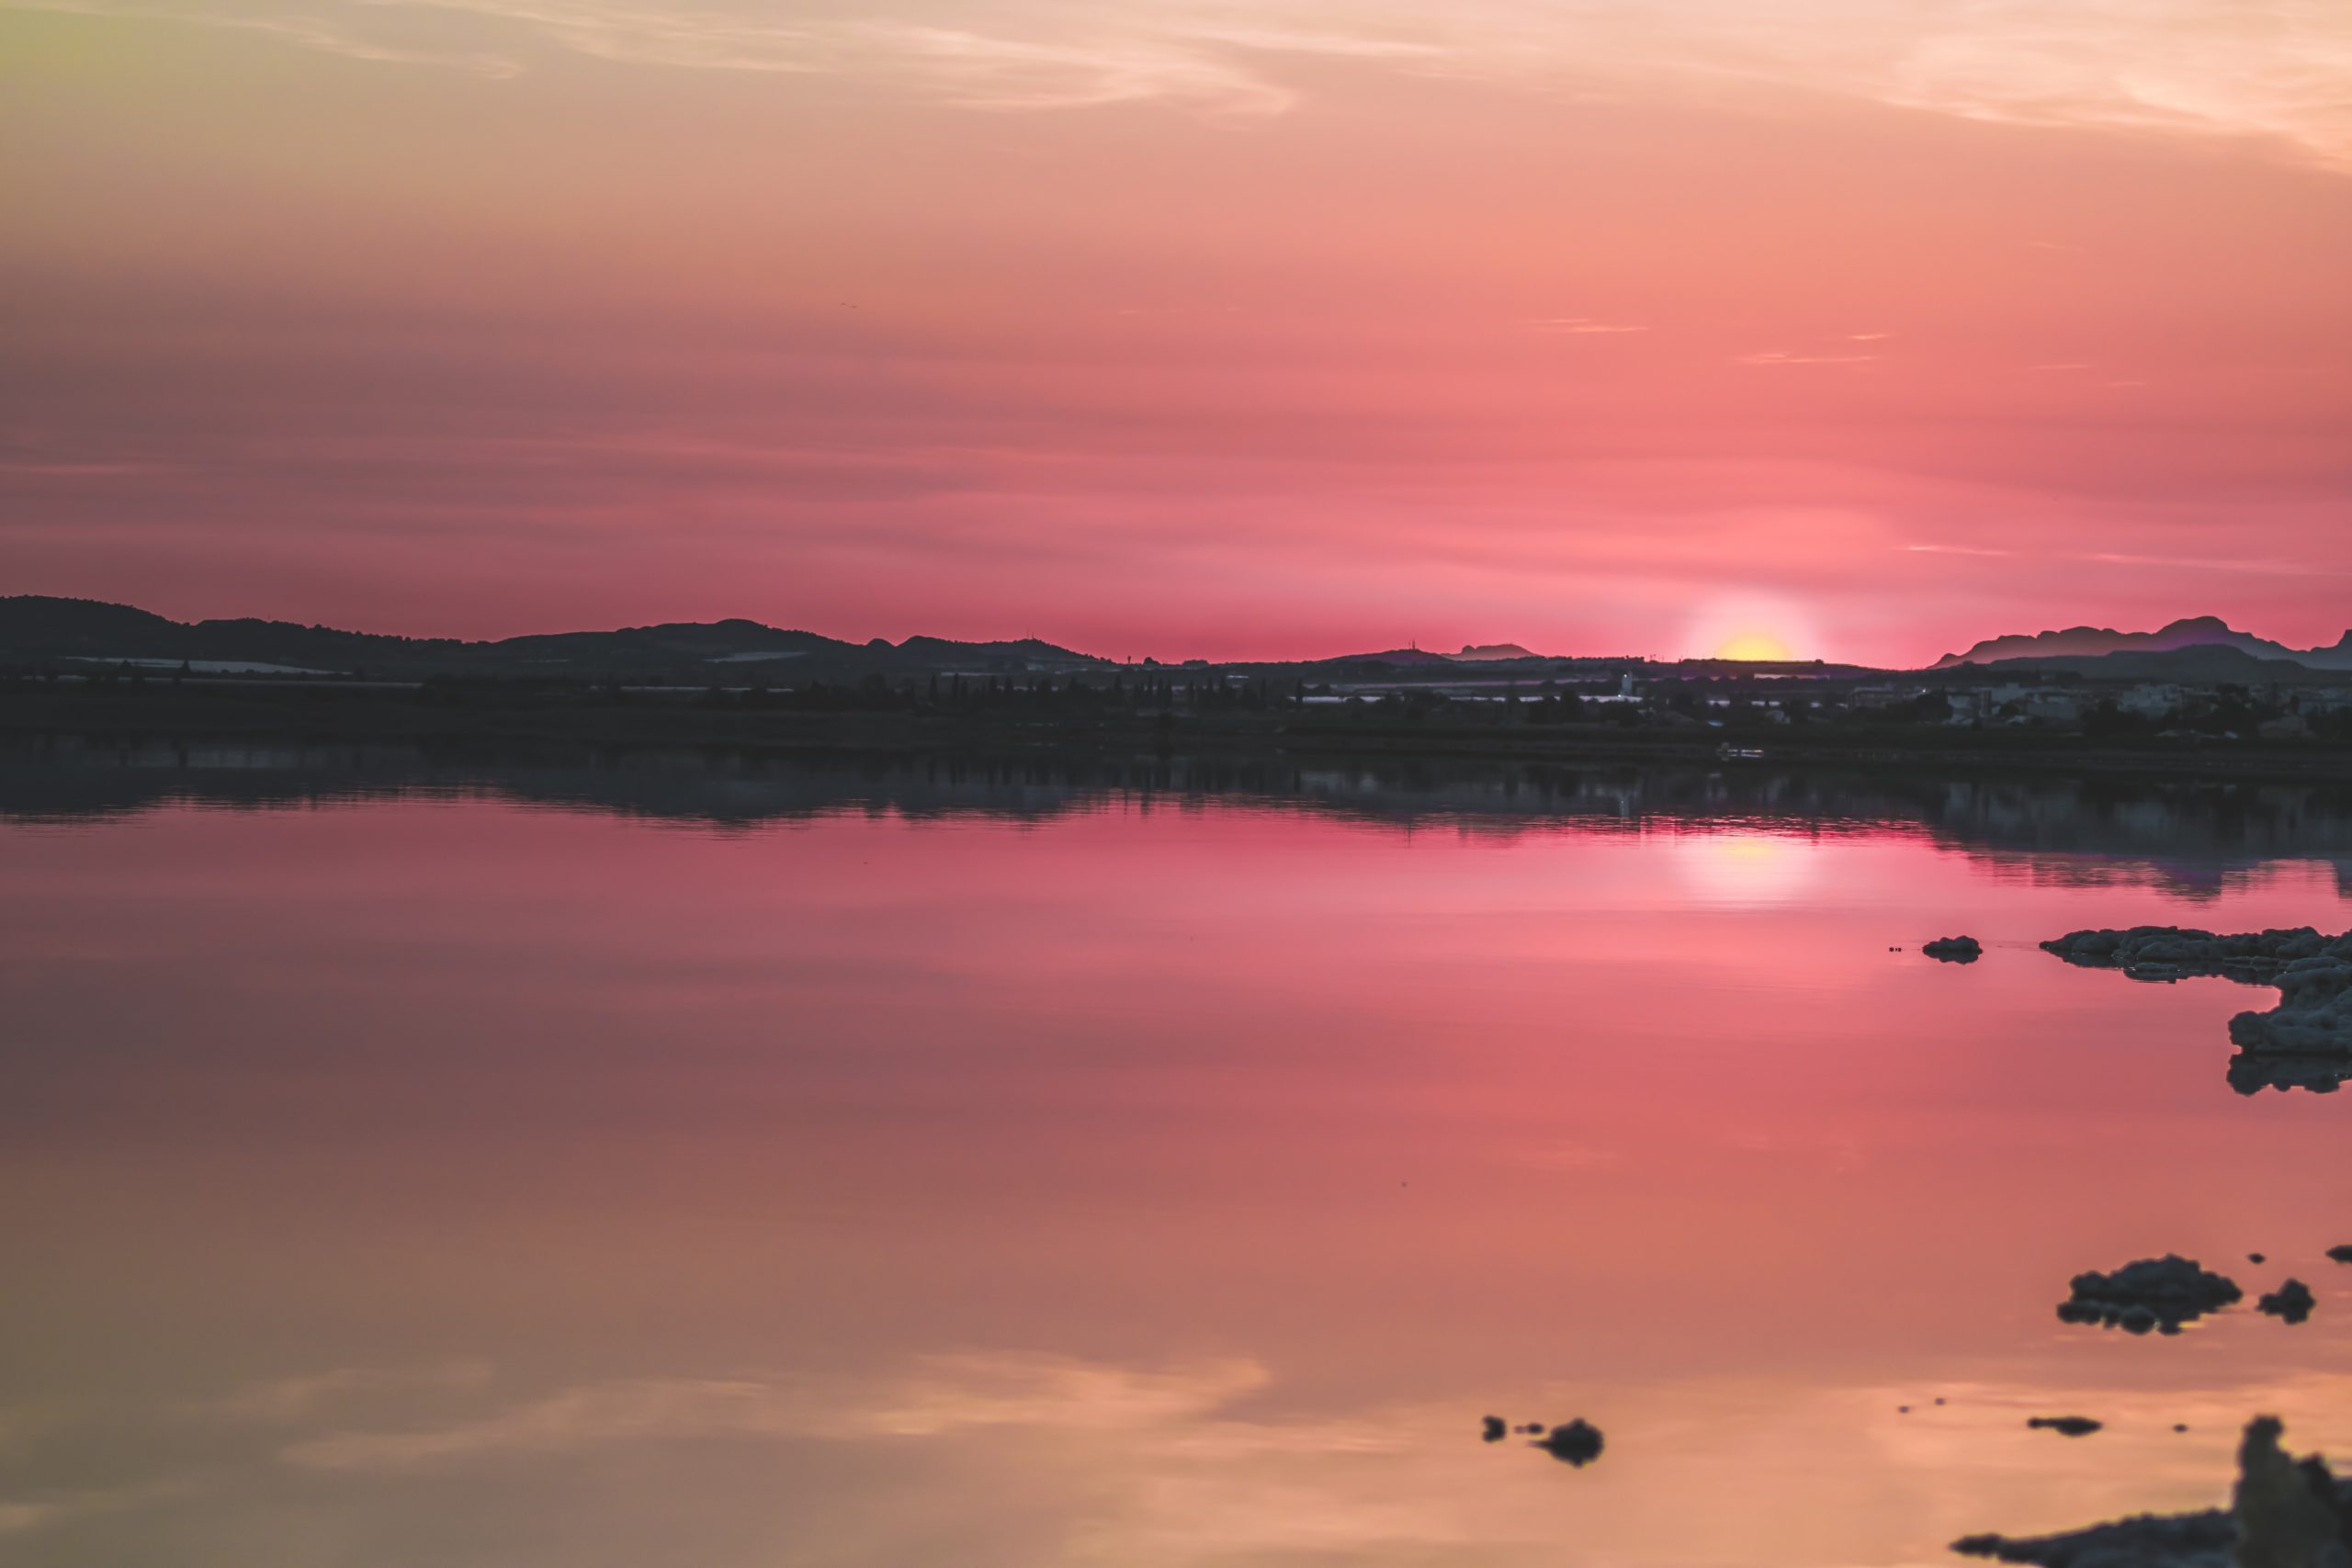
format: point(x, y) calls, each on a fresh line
point(2190, 838)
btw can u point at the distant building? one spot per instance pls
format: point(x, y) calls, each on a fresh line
point(2150, 700)
point(2054, 707)
point(1884, 697)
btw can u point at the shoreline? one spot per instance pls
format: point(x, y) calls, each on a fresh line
point(159, 711)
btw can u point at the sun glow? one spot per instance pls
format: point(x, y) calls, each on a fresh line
point(1751, 625)
point(1746, 869)
point(1754, 646)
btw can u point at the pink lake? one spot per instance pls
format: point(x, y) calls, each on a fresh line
point(741, 1167)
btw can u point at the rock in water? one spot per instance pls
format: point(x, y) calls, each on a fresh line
point(2289, 1513)
point(2303, 1042)
point(2250, 1074)
point(2181, 1541)
point(1492, 1429)
point(1955, 949)
point(2341, 1253)
point(2166, 952)
point(2292, 1301)
point(2064, 1426)
point(1578, 1443)
point(2313, 1017)
point(2154, 1293)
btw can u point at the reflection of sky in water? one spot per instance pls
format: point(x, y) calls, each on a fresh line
point(447, 1181)
point(1745, 868)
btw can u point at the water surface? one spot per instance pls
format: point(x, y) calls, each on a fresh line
point(416, 1160)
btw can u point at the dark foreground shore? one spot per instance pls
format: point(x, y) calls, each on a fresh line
point(303, 712)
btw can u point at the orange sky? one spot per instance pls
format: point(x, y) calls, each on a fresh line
point(1179, 328)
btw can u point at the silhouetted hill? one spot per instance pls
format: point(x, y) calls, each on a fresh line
point(2180, 665)
point(2196, 632)
point(1396, 655)
point(35, 622)
point(931, 648)
point(37, 626)
point(42, 626)
point(1480, 653)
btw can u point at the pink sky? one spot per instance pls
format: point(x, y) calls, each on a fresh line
point(1180, 328)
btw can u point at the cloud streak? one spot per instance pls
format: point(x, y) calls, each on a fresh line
point(1782, 357)
point(2264, 69)
point(297, 1398)
point(1582, 326)
point(23, 1516)
point(942, 1395)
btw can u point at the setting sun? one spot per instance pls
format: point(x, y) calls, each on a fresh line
point(1755, 646)
point(1752, 625)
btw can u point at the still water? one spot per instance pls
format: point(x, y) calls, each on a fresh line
point(415, 1161)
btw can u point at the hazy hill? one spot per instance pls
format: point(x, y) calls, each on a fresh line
point(2199, 631)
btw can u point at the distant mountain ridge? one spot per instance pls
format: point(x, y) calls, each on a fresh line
point(2204, 664)
point(2195, 632)
point(38, 626)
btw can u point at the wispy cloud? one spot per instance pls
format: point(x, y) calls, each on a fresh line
point(1564, 1157)
point(294, 1398)
point(981, 71)
point(327, 34)
point(1784, 356)
point(941, 1395)
point(22, 1516)
point(1581, 326)
point(1037, 57)
point(2254, 564)
point(2265, 69)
